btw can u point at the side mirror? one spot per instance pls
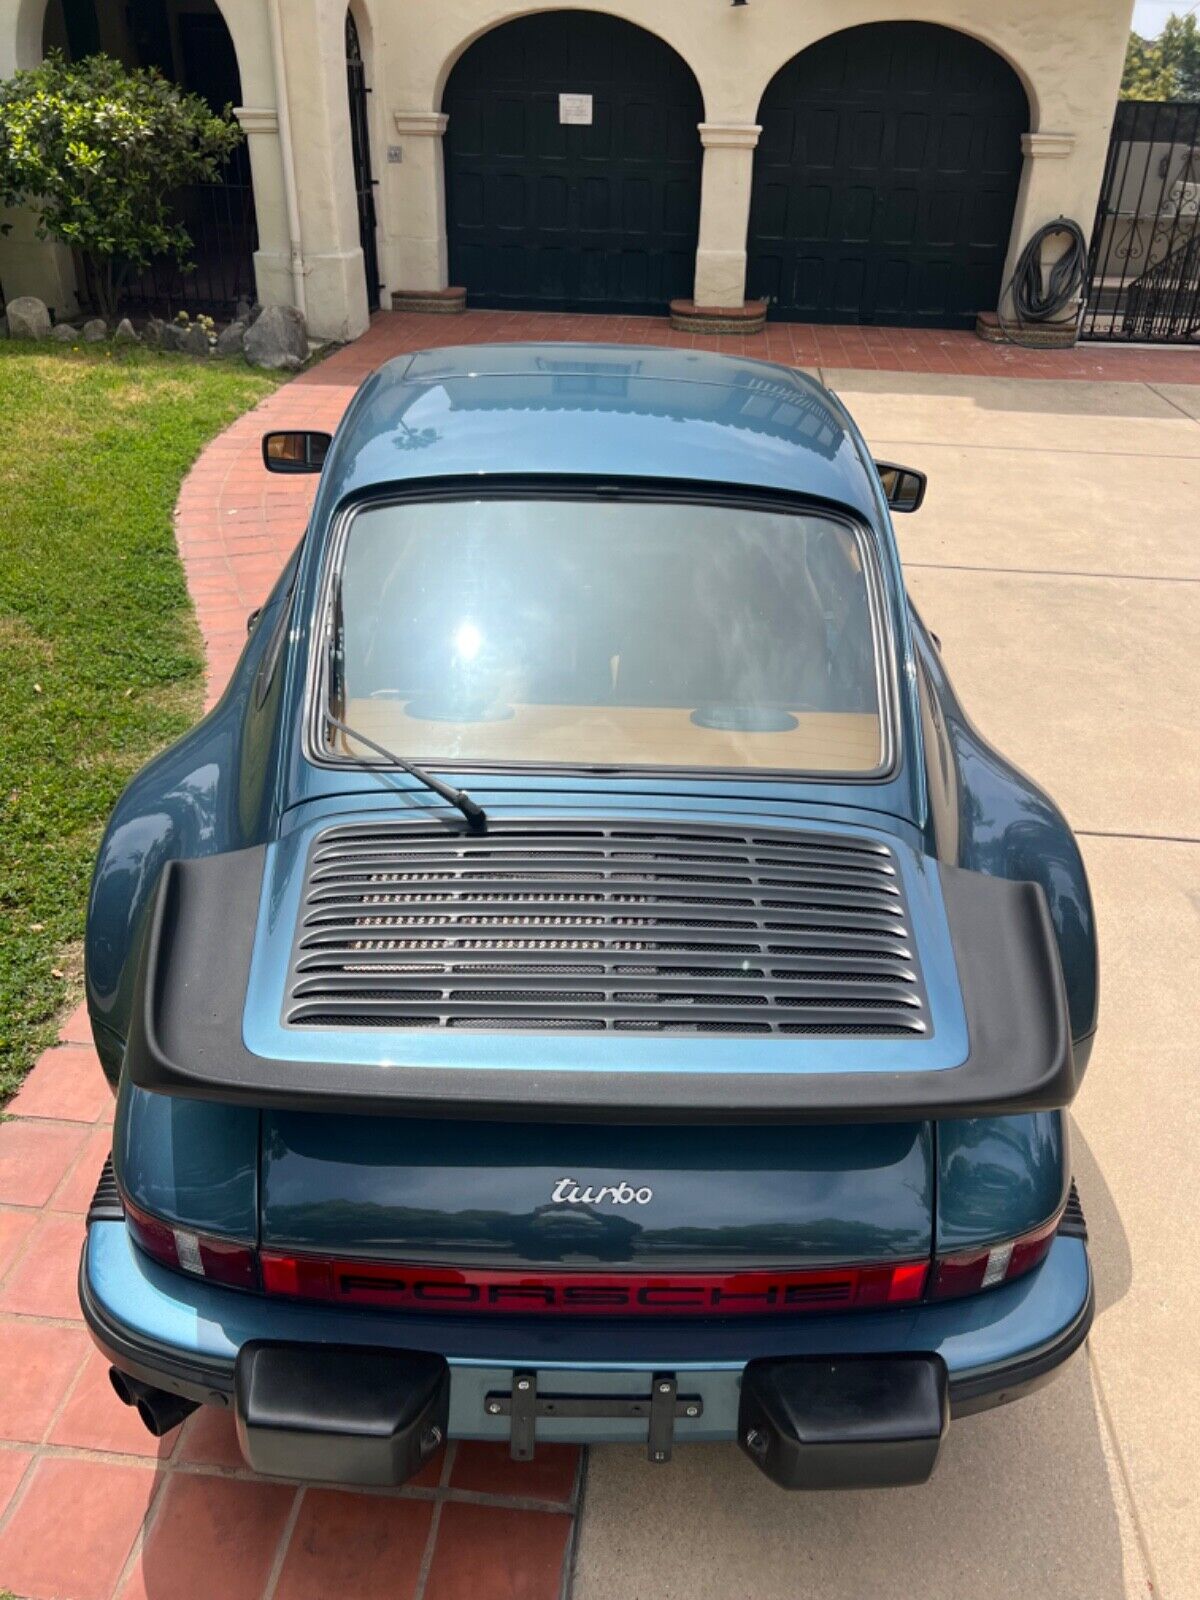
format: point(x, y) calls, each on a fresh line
point(299, 451)
point(903, 487)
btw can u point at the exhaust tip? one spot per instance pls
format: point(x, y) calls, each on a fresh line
point(159, 1410)
point(122, 1386)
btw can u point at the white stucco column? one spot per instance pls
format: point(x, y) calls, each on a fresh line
point(41, 267)
point(272, 270)
point(1054, 183)
point(415, 203)
point(724, 211)
point(318, 99)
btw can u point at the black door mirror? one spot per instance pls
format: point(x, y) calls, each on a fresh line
point(298, 451)
point(903, 487)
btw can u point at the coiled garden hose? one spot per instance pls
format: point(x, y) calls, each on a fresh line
point(1039, 297)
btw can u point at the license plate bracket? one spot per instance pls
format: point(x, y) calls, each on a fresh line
point(525, 1403)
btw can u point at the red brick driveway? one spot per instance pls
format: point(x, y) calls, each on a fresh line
point(92, 1508)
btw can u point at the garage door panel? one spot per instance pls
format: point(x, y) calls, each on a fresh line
point(900, 217)
point(504, 127)
point(511, 194)
point(913, 131)
point(552, 268)
point(813, 213)
point(856, 210)
point(607, 211)
point(865, 142)
point(988, 220)
point(681, 203)
point(893, 285)
point(954, 144)
point(944, 219)
point(468, 200)
point(553, 204)
point(820, 136)
point(912, 141)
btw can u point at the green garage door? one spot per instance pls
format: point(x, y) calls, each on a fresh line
point(885, 178)
point(572, 166)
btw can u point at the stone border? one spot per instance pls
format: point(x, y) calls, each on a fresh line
point(688, 317)
point(433, 302)
point(1035, 335)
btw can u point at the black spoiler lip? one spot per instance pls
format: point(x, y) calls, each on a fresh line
point(186, 1030)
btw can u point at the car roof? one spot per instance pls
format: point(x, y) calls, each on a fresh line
point(600, 411)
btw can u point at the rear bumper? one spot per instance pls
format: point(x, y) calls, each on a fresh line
point(183, 1335)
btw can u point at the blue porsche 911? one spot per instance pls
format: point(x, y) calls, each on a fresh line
point(587, 979)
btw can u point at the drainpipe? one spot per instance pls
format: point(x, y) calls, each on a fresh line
point(283, 113)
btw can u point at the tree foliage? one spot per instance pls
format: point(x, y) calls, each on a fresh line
point(1166, 68)
point(97, 150)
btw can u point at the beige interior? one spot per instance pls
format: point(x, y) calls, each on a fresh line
point(623, 735)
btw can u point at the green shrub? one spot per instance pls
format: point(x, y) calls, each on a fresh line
point(97, 150)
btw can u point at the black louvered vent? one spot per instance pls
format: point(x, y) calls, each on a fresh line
point(585, 927)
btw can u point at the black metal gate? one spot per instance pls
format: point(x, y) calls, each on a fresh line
point(360, 140)
point(218, 216)
point(1144, 264)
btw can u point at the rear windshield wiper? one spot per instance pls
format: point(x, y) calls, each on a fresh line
point(475, 814)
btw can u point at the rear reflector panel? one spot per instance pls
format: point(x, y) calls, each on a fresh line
point(590, 1294)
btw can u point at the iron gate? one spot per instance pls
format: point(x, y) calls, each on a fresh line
point(219, 217)
point(360, 141)
point(1144, 263)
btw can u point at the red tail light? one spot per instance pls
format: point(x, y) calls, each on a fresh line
point(220, 1260)
point(972, 1270)
point(590, 1294)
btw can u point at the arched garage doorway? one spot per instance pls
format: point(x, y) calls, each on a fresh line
point(572, 166)
point(886, 177)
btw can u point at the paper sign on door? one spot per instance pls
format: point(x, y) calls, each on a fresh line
point(575, 108)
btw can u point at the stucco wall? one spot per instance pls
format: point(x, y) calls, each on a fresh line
point(1068, 56)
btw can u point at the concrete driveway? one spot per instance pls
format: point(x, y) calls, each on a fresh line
point(1057, 557)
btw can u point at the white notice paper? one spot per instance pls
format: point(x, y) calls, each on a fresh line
point(575, 108)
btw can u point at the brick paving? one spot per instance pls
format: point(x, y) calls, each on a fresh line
point(93, 1508)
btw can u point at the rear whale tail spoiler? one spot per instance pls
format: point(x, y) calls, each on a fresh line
point(186, 1033)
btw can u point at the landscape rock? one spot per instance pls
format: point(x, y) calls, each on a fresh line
point(195, 341)
point(278, 340)
point(244, 311)
point(172, 335)
point(64, 333)
point(28, 318)
point(152, 333)
point(126, 332)
point(231, 340)
point(95, 330)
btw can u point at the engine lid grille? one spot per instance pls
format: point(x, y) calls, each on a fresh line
point(585, 927)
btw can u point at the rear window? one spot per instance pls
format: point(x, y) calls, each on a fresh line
point(623, 632)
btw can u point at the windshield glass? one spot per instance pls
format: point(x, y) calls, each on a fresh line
point(615, 632)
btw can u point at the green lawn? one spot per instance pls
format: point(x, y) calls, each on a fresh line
point(100, 659)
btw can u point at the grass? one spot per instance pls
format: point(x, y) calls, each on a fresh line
point(100, 657)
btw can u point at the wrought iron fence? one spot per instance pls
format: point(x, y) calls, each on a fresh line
point(220, 220)
point(1144, 262)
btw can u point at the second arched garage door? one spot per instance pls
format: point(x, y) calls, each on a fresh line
point(885, 178)
point(572, 166)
